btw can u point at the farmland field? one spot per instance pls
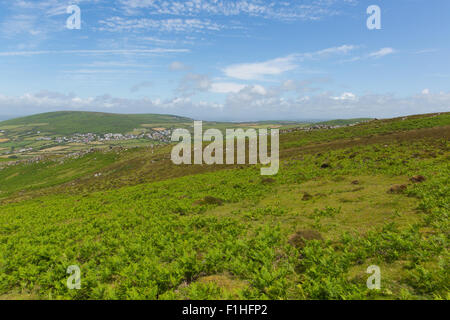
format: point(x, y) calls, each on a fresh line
point(69, 132)
point(140, 227)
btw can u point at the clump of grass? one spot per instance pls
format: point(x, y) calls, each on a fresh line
point(398, 188)
point(300, 238)
point(209, 200)
point(268, 181)
point(307, 196)
point(418, 179)
point(327, 212)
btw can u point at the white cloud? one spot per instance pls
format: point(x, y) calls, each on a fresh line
point(95, 52)
point(120, 24)
point(373, 55)
point(274, 67)
point(257, 71)
point(193, 83)
point(344, 49)
point(346, 96)
point(35, 18)
point(259, 90)
point(277, 10)
point(158, 41)
point(226, 87)
point(20, 24)
point(425, 91)
point(424, 51)
point(250, 103)
point(381, 53)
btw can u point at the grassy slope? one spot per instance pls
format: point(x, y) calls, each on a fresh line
point(67, 122)
point(157, 239)
point(342, 122)
point(141, 165)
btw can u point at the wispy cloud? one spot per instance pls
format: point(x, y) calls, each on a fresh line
point(257, 71)
point(344, 49)
point(226, 87)
point(193, 83)
point(372, 55)
point(424, 51)
point(250, 103)
point(346, 96)
point(20, 24)
point(95, 52)
point(279, 10)
point(381, 53)
point(120, 24)
point(274, 67)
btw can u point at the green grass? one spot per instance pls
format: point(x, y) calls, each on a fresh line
point(27, 177)
point(373, 128)
point(147, 229)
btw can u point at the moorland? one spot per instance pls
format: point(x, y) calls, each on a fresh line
point(140, 227)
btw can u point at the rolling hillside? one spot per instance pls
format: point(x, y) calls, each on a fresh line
point(343, 122)
point(73, 131)
point(140, 227)
point(70, 122)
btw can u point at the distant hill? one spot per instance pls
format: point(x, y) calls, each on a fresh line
point(343, 122)
point(5, 117)
point(70, 122)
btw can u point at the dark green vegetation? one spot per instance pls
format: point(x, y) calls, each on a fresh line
point(70, 122)
point(147, 229)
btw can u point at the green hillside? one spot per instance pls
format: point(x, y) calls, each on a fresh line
point(343, 122)
point(70, 122)
point(68, 132)
point(140, 227)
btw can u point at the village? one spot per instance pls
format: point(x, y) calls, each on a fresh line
point(57, 143)
point(160, 136)
point(323, 126)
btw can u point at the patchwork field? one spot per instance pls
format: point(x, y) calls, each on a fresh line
point(140, 227)
point(71, 132)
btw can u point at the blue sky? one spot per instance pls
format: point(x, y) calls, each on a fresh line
point(226, 60)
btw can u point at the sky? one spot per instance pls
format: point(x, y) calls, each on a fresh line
point(242, 60)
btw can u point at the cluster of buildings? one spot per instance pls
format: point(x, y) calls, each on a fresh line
point(157, 135)
point(321, 127)
point(25, 150)
point(161, 136)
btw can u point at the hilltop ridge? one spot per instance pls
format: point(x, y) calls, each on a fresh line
point(70, 122)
